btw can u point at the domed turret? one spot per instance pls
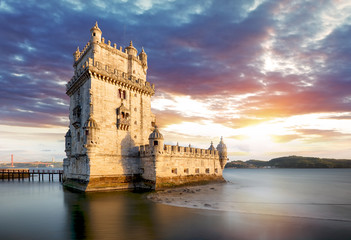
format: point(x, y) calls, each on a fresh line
point(95, 34)
point(90, 123)
point(222, 152)
point(156, 139)
point(90, 134)
point(68, 140)
point(143, 59)
point(76, 54)
point(131, 50)
point(211, 147)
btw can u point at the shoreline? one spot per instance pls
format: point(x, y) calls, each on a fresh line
point(189, 196)
point(210, 197)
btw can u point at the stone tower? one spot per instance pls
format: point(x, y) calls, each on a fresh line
point(110, 114)
point(112, 141)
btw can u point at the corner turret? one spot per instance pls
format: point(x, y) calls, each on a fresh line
point(76, 54)
point(156, 139)
point(95, 34)
point(90, 132)
point(143, 59)
point(68, 143)
point(131, 50)
point(222, 152)
point(211, 147)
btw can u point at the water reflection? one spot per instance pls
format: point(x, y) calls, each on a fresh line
point(126, 215)
point(122, 215)
point(32, 210)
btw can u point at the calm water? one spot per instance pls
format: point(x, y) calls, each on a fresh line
point(262, 204)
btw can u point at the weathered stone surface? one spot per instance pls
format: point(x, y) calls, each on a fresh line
point(112, 142)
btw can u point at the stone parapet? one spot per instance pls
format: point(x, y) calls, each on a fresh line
point(78, 55)
point(112, 76)
point(177, 151)
point(112, 49)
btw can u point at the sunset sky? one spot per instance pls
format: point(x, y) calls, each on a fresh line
point(272, 77)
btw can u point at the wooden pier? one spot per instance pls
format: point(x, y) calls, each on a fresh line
point(23, 174)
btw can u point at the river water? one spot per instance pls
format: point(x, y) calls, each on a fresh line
point(255, 204)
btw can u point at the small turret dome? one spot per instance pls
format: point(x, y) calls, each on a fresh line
point(221, 147)
point(95, 34)
point(142, 52)
point(95, 28)
point(155, 134)
point(131, 50)
point(211, 147)
point(68, 134)
point(90, 123)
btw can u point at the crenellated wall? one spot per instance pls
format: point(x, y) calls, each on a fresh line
point(173, 165)
point(176, 150)
point(110, 75)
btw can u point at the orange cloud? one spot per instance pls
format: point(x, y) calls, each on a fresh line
point(284, 138)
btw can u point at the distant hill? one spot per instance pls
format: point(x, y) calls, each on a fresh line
point(292, 162)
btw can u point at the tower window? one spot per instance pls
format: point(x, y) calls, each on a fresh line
point(120, 93)
point(155, 143)
point(94, 34)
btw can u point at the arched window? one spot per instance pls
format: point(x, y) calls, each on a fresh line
point(122, 114)
point(155, 143)
point(124, 94)
point(127, 115)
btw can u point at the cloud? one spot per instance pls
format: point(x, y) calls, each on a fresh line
point(240, 63)
point(285, 138)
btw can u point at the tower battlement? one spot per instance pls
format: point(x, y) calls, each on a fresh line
point(105, 72)
point(175, 150)
point(112, 141)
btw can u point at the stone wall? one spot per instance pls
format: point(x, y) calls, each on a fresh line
point(175, 165)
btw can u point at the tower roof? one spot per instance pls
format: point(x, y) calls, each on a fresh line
point(131, 45)
point(68, 134)
point(211, 147)
point(156, 134)
point(96, 27)
point(90, 123)
point(221, 146)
